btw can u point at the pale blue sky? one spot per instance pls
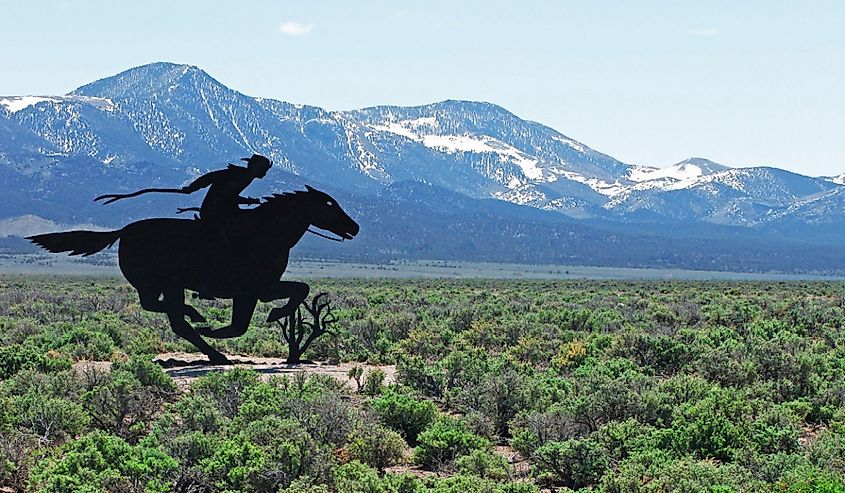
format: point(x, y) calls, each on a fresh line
point(648, 82)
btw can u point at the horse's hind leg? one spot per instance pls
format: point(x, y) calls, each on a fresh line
point(295, 291)
point(174, 302)
point(150, 301)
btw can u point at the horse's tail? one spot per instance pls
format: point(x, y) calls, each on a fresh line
point(76, 242)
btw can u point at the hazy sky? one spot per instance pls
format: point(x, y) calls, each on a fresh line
point(648, 82)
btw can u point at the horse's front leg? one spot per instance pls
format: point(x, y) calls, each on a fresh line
point(296, 292)
point(242, 309)
point(173, 303)
point(150, 301)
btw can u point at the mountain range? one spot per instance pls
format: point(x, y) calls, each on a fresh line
point(452, 180)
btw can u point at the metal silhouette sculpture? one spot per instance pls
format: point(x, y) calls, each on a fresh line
point(231, 253)
point(224, 193)
point(299, 332)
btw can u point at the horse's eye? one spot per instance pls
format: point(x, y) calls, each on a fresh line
point(329, 203)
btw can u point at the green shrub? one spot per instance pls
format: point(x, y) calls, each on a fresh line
point(828, 451)
point(811, 480)
point(373, 382)
point(147, 373)
point(518, 487)
point(656, 471)
point(485, 464)
point(19, 357)
point(713, 427)
point(573, 463)
point(462, 484)
point(198, 413)
point(86, 343)
point(530, 430)
point(102, 462)
point(377, 446)
point(51, 418)
point(355, 477)
point(403, 483)
point(497, 395)
point(775, 430)
point(236, 465)
point(19, 451)
point(356, 373)
point(444, 441)
point(305, 485)
point(227, 388)
point(259, 400)
point(121, 403)
point(289, 451)
point(420, 375)
point(622, 439)
point(404, 413)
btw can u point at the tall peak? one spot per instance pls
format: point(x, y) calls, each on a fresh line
point(147, 80)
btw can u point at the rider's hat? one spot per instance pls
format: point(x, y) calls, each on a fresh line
point(257, 160)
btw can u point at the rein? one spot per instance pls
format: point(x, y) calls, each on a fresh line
point(324, 236)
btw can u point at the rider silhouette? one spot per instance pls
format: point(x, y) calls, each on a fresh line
point(225, 186)
point(223, 199)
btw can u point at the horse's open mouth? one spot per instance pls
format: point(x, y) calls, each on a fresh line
point(340, 236)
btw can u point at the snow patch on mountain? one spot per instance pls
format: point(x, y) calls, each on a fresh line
point(571, 143)
point(398, 129)
point(731, 178)
point(421, 130)
point(523, 195)
point(816, 209)
point(676, 172)
point(467, 143)
point(14, 104)
point(689, 169)
point(838, 179)
point(601, 186)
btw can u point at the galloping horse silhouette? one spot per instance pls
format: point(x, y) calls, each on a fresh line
point(241, 260)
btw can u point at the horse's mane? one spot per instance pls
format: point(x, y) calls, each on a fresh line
point(280, 200)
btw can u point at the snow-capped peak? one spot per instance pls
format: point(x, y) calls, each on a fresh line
point(685, 170)
point(838, 179)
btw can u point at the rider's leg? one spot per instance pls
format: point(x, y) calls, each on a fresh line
point(217, 224)
point(296, 292)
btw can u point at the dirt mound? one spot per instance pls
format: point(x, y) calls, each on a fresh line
point(185, 367)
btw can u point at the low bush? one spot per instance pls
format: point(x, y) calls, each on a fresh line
point(404, 413)
point(444, 441)
point(376, 446)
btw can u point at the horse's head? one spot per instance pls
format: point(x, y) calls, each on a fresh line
point(327, 214)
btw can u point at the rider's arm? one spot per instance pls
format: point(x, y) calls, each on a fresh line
point(201, 182)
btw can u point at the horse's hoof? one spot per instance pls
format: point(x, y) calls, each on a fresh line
point(219, 359)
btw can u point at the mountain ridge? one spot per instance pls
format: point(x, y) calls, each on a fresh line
point(165, 123)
